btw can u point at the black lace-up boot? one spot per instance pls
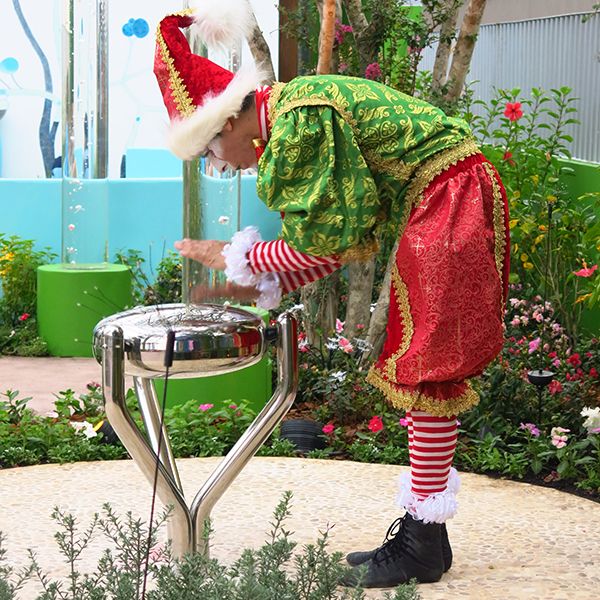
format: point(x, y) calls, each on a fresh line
point(358, 558)
point(413, 552)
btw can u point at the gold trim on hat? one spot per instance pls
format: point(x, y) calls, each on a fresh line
point(179, 92)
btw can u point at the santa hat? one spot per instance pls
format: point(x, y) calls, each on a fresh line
point(200, 95)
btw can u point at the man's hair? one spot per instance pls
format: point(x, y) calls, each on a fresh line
point(248, 102)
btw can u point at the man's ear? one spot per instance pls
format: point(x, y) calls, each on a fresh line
point(228, 125)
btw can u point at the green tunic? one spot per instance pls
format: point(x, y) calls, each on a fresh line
point(341, 157)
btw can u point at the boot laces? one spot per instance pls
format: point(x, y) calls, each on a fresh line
point(393, 540)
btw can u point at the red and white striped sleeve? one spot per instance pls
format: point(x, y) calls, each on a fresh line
point(294, 268)
point(272, 267)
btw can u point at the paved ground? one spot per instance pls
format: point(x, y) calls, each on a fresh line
point(509, 539)
point(42, 378)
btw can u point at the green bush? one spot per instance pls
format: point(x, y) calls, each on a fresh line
point(18, 301)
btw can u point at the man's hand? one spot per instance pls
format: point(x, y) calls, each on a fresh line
point(207, 252)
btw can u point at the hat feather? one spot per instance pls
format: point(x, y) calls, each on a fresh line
point(222, 23)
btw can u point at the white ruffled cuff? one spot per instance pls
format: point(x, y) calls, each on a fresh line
point(237, 268)
point(436, 508)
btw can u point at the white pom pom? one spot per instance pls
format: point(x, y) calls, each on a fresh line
point(222, 23)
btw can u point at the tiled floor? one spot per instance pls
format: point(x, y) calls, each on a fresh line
point(509, 539)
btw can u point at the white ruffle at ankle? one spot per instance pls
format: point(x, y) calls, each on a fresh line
point(436, 508)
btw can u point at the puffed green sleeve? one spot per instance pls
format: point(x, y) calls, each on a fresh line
point(313, 172)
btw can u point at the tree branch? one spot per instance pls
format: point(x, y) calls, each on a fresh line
point(326, 37)
point(260, 51)
point(464, 49)
point(442, 55)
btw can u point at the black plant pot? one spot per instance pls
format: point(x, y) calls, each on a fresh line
point(304, 434)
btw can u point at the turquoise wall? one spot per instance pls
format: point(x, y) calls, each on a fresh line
point(144, 214)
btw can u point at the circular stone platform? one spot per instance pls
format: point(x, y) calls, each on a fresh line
point(509, 539)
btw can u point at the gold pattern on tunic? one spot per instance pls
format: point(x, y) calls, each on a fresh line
point(408, 328)
point(415, 400)
point(499, 226)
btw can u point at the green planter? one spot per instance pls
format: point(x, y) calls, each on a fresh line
point(71, 301)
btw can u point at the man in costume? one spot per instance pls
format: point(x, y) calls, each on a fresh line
point(340, 158)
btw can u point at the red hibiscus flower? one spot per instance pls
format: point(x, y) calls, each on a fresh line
point(586, 271)
point(376, 424)
point(24, 317)
point(513, 111)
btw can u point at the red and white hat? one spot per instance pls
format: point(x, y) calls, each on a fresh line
point(199, 94)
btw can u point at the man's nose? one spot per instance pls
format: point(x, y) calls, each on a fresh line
point(217, 163)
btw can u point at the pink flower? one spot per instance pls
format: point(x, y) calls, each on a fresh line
point(205, 407)
point(94, 385)
point(375, 424)
point(593, 373)
point(328, 429)
point(515, 322)
point(558, 438)
point(534, 345)
point(233, 406)
point(342, 67)
point(373, 71)
point(595, 430)
point(531, 427)
point(303, 347)
point(345, 345)
point(513, 111)
point(555, 387)
point(360, 326)
point(403, 422)
point(585, 272)
point(24, 317)
point(556, 362)
point(339, 326)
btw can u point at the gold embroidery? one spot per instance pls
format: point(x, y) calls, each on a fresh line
point(499, 227)
point(179, 92)
point(416, 401)
point(314, 101)
point(361, 252)
point(408, 328)
point(436, 165)
point(395, 167)
point(276, 90)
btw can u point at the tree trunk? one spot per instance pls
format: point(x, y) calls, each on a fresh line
point(377, 326)
point(359, 23)
point(464, 49)
point(358, 311)
point(260, 51)
point(327, 10)
point(320, 300)
point(442, 55)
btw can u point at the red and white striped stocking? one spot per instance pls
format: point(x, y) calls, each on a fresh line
point(429, 493)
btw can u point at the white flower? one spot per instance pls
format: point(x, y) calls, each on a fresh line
point(362, 345)
point(223, 220)
point(84, 427)
point(296, 308)
point(338, 376)
point(332, 344)
point(593, 418)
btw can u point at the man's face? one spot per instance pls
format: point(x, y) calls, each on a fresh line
point(232, 148)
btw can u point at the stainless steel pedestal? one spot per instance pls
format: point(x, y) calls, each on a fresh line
point(209, 339)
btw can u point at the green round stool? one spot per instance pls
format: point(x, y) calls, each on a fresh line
point(71, 301)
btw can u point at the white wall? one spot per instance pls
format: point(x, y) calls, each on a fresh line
point(137, 114)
